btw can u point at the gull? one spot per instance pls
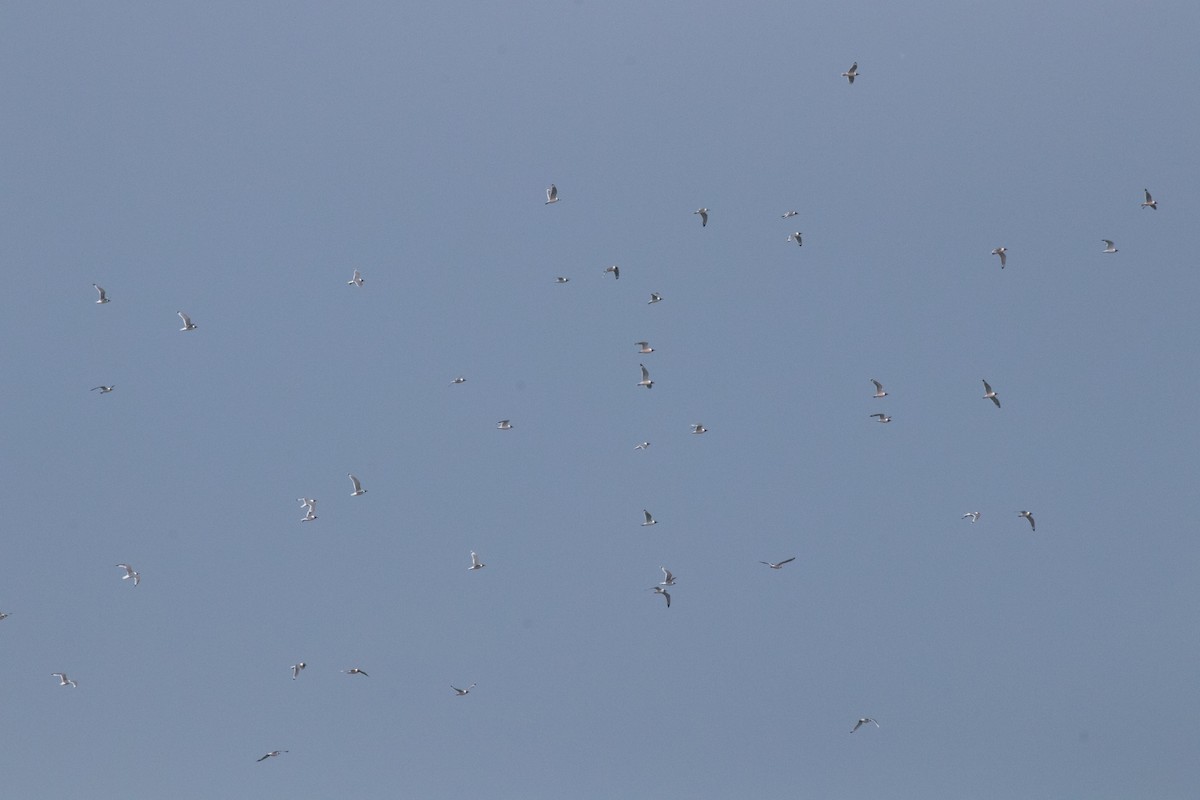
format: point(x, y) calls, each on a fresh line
point(655, 297)
point(988, 394)
point(4, 615)
point(357, 280)
point(1108, 246)
point(462, 692)
point(649, 519)
point(641, 445)
point(355, 671)
point(972, 515)
point(615, 270)
point(459, 379)
point(297, 669)
point(698, 428)
point(187, 322)
point(668, 577)
point(1029, 517)
point(851, 73)
point(63, 680)
point(795, 237)
point(103, 389)
point(272, 754)
point(310, 504)
point(882, 417)
point(643, 347)
point(561, 279)
point(1003, 253)
point(879, 392)
point(791, 214)
point(475, 562)
point(357, 486)
point(864, 721)
point(130, 572)
point(1150, 203)
point(664, 593)
point(703, 212)
point(551, 194)
point(104, 296)
point(779, 564)
point(645, 381)
point(504, 425)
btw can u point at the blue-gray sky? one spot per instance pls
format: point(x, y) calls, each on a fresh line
point(238, 162)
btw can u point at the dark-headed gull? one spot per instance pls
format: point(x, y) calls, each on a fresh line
point(551, 194)
point(1028, 516)
point(641, 445)
point(649, 519)
point(1150, 203)
point(787, 214)
point(103, 389)
point(668, 577)
point(645, 381)
point(851, 73)
point(972, 515)
point(698, 428)
point(462, 692)
point(357, 485)
point(1003, 253)
point(615, 270)
point(655, 297)
point(187, 322)
point(796, 237)
point(561, 279)
point(643, 347)
point(504, 425)
point(778, 564)
point(130, 572)
point(63, 680)
point(475, 562)
point(703, 212)
point(864, 721)
point(882, 417)
point(879, 392)
point(459, 379)
point(272, 754)
point(297, 669)
point(988, 394)
point(355, 671)
point(1108, 246)
point(104, 297)
point(357, 280)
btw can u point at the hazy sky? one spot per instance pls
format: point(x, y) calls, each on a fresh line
point(238, 161)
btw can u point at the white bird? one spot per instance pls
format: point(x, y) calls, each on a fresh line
point(851, 73)
point(791, 214)
point(668, 577)
point(475, 562)
point(311, 505)
point(357, 280)
point(130, 572)
point(561, 279)
point(1108, 246)
point(357, 486)
point(355, 671)
point(698, 428)
point(644, 347)
point(703, 212)
point(4, 615)
point(104, 296)
point(1150, 203)
point(1003, 253)
point(462, 692)
point(988, 394)
point(655, 297)
point(615, 270)
point(551, 194)
point(649, 519)
point(1029, 517)
point(882, 417)
point(272, 754)
point(641, 445)
point(459, 379)
point(864, 721)
point(63, 680)
point(972, 515)
point(664, 593)
point(645, 381)
point(103, 389)
point(778, 564)
point(796, 237)
point(187, 322)
point(879, 392)
point(297, 669)
point(504, 425)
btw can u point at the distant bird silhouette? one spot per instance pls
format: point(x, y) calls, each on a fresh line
point(851, 73)
point(1028, 516)
point(1003, 253)
point(104, 297)
point(703, 212)
point(988, 394)
point(1150, 203)
point(551, 194)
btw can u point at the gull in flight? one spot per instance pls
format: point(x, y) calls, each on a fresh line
point(655, 297)
point(103, 389)
point(4, 615)
point(355, 671)
point(988, 394)
point(504, 425)
point(1029, 517)
point(311, 505)
point(615, 270)
point(63, 680)
point(779, 564)
point(1150, 203)
point(879, 392)
point(644, 347)
point(698, 428)
point(357, 280)
point(641, 445)
point(561, 279)
point(297, 669)
point(882, 417)
point(475, 562)
point(664, 593)
point(1108, 246)
point(459, 379)
point(1003, 253)
point(649, 519)
point(357, 486)
point(645, 381)
point(972, 515)
point(187, 322)
point(864, 721)
point(104, 296)
point(462, 692)
point(551, 194)
point(795, 237)
point(272, 754)
point(851, 73)
point(791, 214)
point(703, 212)
point(668, 577)
point(130, 572)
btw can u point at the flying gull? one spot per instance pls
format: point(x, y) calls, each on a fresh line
point(778, 564)
point(666, 595)
point(972, 515)
point(615, 270)
point(882, 417)
point(104, 296)
point(1003, 253)
point(103, 389)
point(879, 392)
point(130, 572)
point(1108, 246)
point(790, 214)
point(475, 562)
point(655, 297)
point(297, 669)
point(272, 754)
point(988, 394)
point(649, 519)
point(1150, 203)
point(357, 486)
point(641, 445)
point(703, 212)
point(864, 721)
point(357, 280)
point(851, 73)
point(187, 322)
point(504, 425)
point(1029, 517)
point(796, 237)
point(551, 194)
point(645, 381)
point(668, 577)
point(355, 671)
point(462, 692)
point(63, 680)
point(698, 428)
point(643, 347)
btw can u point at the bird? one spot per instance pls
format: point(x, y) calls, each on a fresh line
point(357, 486)
point(475, 562)
point(655, 297)
point(668, 577)
point(641, 445)
point(561, 279)
point(664, 593)
point(615, 270)
point(357, 280)
point(703, 212)
point(551, 194)
point(1108, 248)
point(851, 73)
point(1029, 517)
point(795, 237)
point(972, 515)
point(271, 754)
point(643, 347)
point(1003, 253)
point(311, 505)
point(649, 519)
point(4, 615)
point(645, 381)
point(297, 669)
point(104, 296)
point(787, 214)
point(130, 572)
point(698, 428)
point(63, 680)
point(1150, 203)
point(988, 394)
point(462, 692)
point(103, 389)
point(882, 417)
point(879, 392)
point(187, 322)
point(504, 425)
point(355, 671)
point(459, 379)
point(778, 564)
point(864, 721)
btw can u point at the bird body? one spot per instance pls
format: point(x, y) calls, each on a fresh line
point(561, 279)
point(1108, 246)
point(297, 669)
point(851, 73)
point(641, 445)
point(882, 417)
point(645, 381)
point(272, 754)
point(649, 519)
point(655, 297)
point(666, 595)
point(797, 238)
point(357, 280)
point(459, 379)
point(462, 692)
point(103, 389)
point(879, 392)
point(615, 270)
point(643, 347)
point(504, 425)
point(697, 428)
point(355, 671)
point(787, 214)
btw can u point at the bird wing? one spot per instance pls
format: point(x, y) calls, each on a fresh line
point(645, 372)
point(996, 400)
point(648, 517)
point(187, 321)
point(357, 485)
point(878, 385)
point(787, 561)
point(987, 387)
point(552, 193)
